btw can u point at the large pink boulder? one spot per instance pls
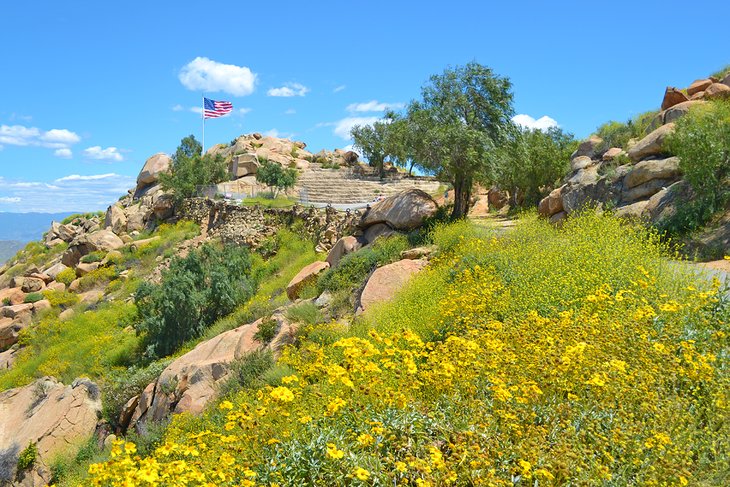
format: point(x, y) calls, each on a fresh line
point(386, 281)
point(152, 169)
point(402, 211)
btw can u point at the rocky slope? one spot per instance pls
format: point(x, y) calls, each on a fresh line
point(641, 180)
point(52, 417)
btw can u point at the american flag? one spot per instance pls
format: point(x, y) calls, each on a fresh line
point(215, 109)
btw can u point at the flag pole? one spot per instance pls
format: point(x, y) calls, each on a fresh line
point(202, 116)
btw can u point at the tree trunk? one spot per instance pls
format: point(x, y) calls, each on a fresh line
point(462, 196)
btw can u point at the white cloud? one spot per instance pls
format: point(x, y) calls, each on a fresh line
point(291, 111)
point(94, 177)
point(243, 111)
point(60, 136)
point(70, 193)
point(343, 127)
point(339, 88)
point(542, 123)
point(178, 108)
point(272, 133)
point(21, 135)
point(64, 153)
point(373, 106)
point(203, 74)
point(198, 110)
point(289, 89)
point(109, 154)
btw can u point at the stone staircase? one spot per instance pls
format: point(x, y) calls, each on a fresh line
point(343, 186)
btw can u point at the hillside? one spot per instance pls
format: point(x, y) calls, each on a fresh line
point(349, 332)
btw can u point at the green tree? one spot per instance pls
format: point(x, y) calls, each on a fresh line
point(190, 170)
point(371, 141)
point(194, 292)
point(276, 177)
point(464, 115)
point(532, 162)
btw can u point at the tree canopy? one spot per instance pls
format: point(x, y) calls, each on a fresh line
point(531, 162)
point(276, 177)
point(191, 170)
point(464, 114)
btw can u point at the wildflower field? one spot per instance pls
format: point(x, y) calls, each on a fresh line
point(573, 356)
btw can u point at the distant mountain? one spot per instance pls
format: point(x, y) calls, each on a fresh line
point(24, 227)
point(8, 248)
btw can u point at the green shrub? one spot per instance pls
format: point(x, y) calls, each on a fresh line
point(532, 163)
point(7, 302)
point(266, 330)
point(195, 291)
point(191, 170)
point(247, 372)
point(93, 257)
point(33, 297)
point(97, 277)
point(61, 299)
point(702, 142)
point(306, 313)
point(66, 276)
point(27, 457)
point(352, 270)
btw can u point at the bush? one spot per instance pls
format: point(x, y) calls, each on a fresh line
point(266, 331)
point(97, 278)
point(120, 385)
point(33, 297)
point(306, 313)
point(247, 372)
point(352, 270)
point(702, 142)
point(618, 134)
point(61, 299)
point(27, 457)
point(66, 276)
point(195, 291)
point(93, 257)
point(191, 170)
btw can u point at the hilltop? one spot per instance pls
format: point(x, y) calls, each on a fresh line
point(263, 315)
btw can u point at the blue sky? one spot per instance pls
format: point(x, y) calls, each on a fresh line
point(89, 90)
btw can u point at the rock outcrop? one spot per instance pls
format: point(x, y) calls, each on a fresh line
point(153, 167)
point(190, 382)
point(51, 415)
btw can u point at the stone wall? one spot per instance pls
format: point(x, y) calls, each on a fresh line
point(250, 225)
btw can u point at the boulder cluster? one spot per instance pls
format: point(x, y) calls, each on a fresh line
point(643, 181)
point(245, 154)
